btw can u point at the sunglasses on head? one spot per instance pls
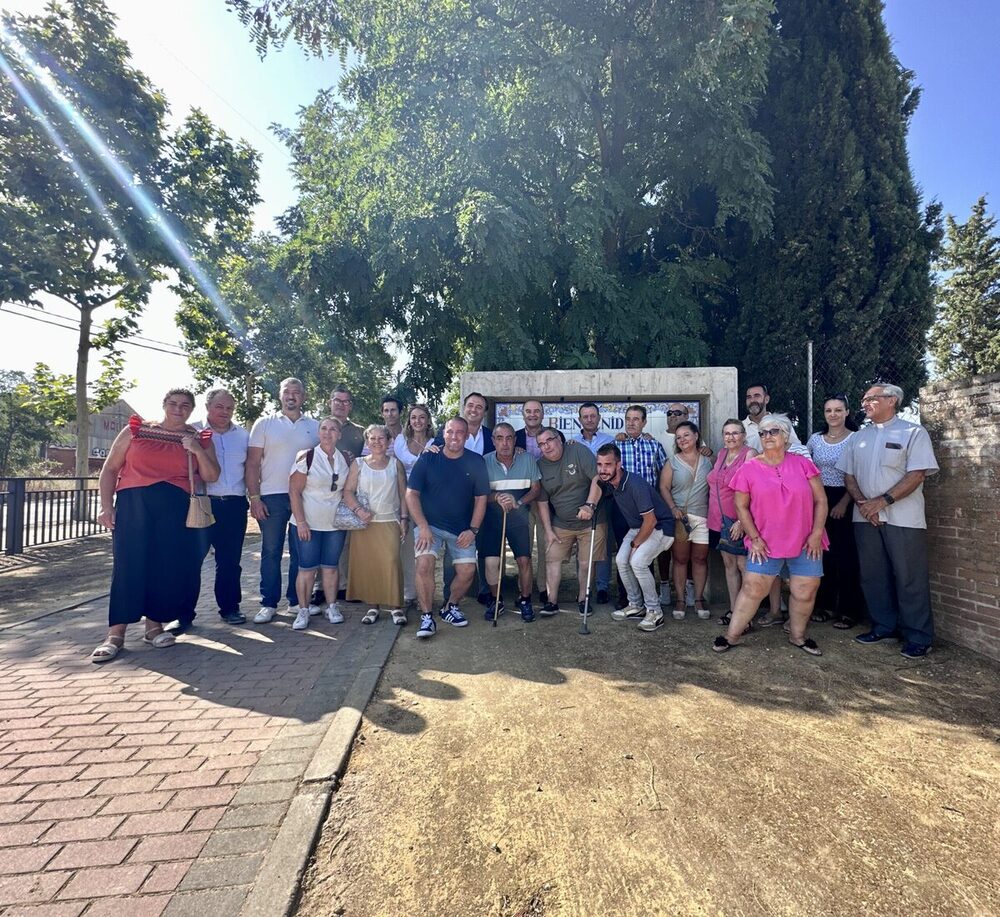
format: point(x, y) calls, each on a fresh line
point(676, 413)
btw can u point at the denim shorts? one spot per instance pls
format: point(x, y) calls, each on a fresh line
point(321, 550)
point(797, 566)
point(445, 540)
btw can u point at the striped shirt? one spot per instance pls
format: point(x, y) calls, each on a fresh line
point(644, 457)
point(516, 480)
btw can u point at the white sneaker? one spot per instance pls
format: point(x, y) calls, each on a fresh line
point(301, 619)
point(652, 621)
point(265, 615)
point(293, 609)
point(629, 611)
point(333, 614)
point(314, 610)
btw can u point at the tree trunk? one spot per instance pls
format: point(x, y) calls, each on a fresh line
point(82, 410)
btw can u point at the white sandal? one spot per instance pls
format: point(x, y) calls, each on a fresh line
point(107, 650)
point(370, 617)
point(398, 616)
point(160, 640)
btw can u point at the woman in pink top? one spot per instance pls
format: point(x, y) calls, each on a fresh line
point(782, 507)
point(722, 516)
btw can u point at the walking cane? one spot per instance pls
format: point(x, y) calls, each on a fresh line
point(503, 554)
point(590, 572)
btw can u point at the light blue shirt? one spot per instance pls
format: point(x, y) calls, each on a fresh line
point(594, 444)
point(231, 452)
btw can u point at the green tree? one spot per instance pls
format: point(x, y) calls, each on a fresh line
point(24, 432)
point(965, 339)
point(103, 249)
point(848, 262)
point(536, 185)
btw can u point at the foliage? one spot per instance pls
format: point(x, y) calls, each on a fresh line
point(103, 248)
point(965, 339)
point(847, 264)
point(52, 395)
point(537, 185)
point(24, 432)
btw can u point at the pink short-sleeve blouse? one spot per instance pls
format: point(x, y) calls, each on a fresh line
point(781, 502)
point(720, 491)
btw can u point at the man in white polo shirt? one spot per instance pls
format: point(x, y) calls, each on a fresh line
point(275, 440)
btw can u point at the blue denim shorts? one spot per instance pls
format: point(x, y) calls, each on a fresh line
point(444, 540)
point(321, 550)
point(797, 566)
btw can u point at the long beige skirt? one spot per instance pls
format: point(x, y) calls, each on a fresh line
point(376, 569)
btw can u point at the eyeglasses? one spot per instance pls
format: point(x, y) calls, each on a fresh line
point(869, 398)
point(343, 401)
point(544, 442)
point(333, 482)
point(735, 433)
point(774, 431)
point(676, 413)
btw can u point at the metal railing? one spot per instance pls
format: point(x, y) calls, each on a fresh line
point(40, 511)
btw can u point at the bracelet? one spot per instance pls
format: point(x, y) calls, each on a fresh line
point(254, 496)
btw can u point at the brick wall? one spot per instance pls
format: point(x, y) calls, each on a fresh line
point(963, 510)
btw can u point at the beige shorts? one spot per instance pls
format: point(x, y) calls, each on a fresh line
point(699, 529)
point(581, 538)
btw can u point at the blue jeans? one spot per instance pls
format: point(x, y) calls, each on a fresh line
point(273, 530)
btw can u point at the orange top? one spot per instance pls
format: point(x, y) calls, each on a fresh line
point(156, 455)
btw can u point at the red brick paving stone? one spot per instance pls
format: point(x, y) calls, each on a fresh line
point(32, 745)
point(131, 716)
point(220, 749)
point(236, 775)
point(149, 727)
point(142, 741)
point(162, 752)
point(26, 859)
point(30, 889)
point(90, 743)
point(172, 765)
point(16, 811)
point(64, 809)
point(84, 829)
point(208, 796)
point(48, 774)
point(184, 846)
point(199, 778)
point(154, 823)
point(102, 755)
point(65, 909)
point(206, 819)
point(145, 906)
point(40, 758)
point(103, 883)
point(13, 792)
point(112, 769)
point(74, 790)
point(247, 759)
point(10, 718)
point(78, 732)
point(135, 802)
point(83, 854)
point(196, 738)
point(166, 877)
point(24, 833)
point(10, 775)
point(79, 719)
point(31, 735)
point(119, 785)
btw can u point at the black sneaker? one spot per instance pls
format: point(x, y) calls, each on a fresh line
point(602, 597)
point(488, 614)
point(582, 608)
point(548, 610)
point(527, 611)
point(872, 637)
point(914, 651)
point(234, 618)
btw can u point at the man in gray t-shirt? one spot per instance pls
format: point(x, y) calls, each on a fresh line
point(884, 467)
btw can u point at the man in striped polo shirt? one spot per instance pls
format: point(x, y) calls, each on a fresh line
point(513, 486)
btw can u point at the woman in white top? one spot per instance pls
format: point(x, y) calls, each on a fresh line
point(376, 567)
point(315, 488)
point(407, 447)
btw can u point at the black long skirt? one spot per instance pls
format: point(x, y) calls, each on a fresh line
point(157, 561)
point(840, 588)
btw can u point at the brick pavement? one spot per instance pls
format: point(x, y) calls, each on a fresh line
point(156, 783)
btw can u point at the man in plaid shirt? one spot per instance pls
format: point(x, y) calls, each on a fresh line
point(641, 456)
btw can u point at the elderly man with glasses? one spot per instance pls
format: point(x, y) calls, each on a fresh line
point(885, 464)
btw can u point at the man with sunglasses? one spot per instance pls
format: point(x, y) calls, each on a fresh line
point(885, 464)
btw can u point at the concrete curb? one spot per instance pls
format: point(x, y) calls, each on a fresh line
point(276, 888)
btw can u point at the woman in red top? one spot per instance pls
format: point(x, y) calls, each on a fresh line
point(144, 492)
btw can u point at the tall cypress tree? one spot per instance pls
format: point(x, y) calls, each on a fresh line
point(848, 262)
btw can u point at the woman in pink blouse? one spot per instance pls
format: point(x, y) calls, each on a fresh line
point(725, 531)
point(782, 507)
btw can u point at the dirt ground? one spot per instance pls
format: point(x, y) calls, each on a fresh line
point(526, 770)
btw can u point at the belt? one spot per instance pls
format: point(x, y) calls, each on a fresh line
point(228, 497)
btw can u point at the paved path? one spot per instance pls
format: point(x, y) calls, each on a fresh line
point(158, 783)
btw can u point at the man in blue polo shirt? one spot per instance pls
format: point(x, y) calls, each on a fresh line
point(446, 496)
point(650, 531)
point(513, 485)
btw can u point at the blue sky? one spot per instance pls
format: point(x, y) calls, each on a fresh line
point(199, 54)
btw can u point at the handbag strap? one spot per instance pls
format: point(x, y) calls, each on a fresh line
point(694, 480)
point(191, 473)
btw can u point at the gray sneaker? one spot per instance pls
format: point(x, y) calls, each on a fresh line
point(652, 621)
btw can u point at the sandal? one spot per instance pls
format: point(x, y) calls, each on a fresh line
point(371, 616)
point(810, 647)
point(725, 619)
point(679, 611)
point(398, 616)
point(844, 623)
point(702, 609)
point(159, 639)
point(722, 645)
point(108, 649)
point(820, 617)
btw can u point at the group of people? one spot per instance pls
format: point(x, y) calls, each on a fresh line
point(371, 510)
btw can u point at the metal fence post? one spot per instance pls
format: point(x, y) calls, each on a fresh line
point(809, 391)
point(15, 516)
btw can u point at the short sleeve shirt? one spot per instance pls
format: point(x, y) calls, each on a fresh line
point(781, 502)
point(448, 488)
point(516, 481)
point(635, 497)
point(318, 500)
point(644, 457)
point(825, 456)
point(566, 484)
point(878, 456)
point(281, 439)
point(352, 440)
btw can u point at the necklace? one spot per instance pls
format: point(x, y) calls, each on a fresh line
point(833, 442)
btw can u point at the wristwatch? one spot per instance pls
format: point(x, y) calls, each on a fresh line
point(474, 529)
point(888, 498)
point(593, 506)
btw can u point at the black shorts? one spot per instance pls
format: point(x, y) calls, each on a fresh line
point(518, 536)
